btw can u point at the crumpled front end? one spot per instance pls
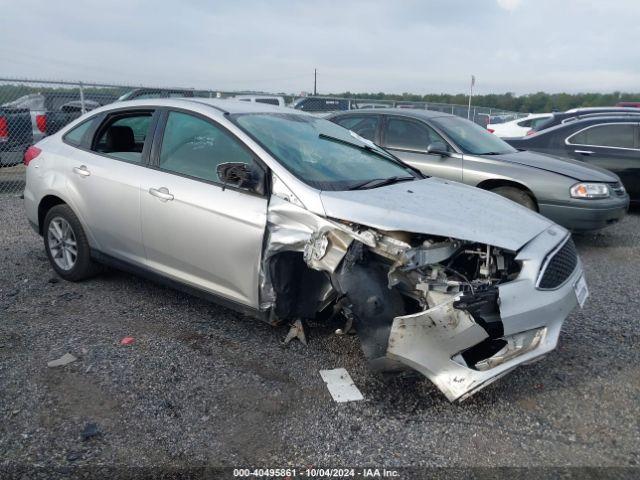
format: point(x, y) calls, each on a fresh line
point(461, 313)
point(450, 344)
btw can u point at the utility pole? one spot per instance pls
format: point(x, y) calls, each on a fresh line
point(473, 82)
point(315, 81)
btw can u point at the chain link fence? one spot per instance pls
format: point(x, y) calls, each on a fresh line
point(32, 109)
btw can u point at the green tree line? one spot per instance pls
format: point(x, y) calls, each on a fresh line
point(531, 103)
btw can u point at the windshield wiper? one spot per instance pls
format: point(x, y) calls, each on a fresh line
point(379, 182)
point(346, 142)
point(490, 153)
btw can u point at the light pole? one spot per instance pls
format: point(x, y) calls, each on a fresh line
point(473, 82)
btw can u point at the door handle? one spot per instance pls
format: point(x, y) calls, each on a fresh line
point(584, 152)
point(162, 193)
point(82, 170)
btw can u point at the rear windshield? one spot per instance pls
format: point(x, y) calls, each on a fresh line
point(546, 123)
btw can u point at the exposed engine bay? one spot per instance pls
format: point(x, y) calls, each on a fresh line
point(406, 274)
point(408, 295)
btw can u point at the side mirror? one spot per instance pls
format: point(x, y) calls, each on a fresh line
point(238, 174)
point(438, 148)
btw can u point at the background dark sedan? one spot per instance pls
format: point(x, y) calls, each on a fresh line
point(611, 142)
point(575, 195)
point(558, 118)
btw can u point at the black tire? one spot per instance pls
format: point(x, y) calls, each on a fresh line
point(83, 267)
point(517, 195)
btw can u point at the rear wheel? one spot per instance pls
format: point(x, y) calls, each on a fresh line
point(517, 195)
point(66, 245)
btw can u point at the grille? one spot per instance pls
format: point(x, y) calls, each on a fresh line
point(617, 189)
point(559, 266)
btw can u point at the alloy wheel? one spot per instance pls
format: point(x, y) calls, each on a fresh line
point(62, 243)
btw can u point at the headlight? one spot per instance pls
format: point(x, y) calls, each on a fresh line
point(590, 190)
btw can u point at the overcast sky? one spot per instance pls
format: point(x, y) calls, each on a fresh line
point(428, 46)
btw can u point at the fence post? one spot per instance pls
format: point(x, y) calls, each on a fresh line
point(82, 105)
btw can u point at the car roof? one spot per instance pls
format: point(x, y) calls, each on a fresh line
point(405, 112)
point(257, 95)
point(605, 119)
point(599, 109)
point(586, 121)
point(221, 105)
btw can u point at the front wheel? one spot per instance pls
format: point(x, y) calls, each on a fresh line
point(517, 195)
point(66, 245)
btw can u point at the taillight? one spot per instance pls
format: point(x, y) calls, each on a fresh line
point(4, 128)
point(490, 130)
point(41, 123)
point(30, 154)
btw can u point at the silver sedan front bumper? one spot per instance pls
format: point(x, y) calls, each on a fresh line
point(431, 341)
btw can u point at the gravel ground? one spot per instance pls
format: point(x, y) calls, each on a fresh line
point(11, 180)
point(205, 386)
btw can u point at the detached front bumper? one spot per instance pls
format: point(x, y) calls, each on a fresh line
point(587, 215)
point(432, 341)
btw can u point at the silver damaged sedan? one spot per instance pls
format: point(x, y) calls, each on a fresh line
point(288, 217)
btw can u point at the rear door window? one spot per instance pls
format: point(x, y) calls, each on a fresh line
point(365, 126)
point(620, 135)
point(536, 122)
point(269, 101)
point(122, 135)
point(77, 135)
point(410, 135)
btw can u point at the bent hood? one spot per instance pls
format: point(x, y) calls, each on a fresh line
point(438, 207)
point(564, 166)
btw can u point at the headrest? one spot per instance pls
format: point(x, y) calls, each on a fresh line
point(120, 139)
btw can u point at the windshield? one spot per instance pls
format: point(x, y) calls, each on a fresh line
point(472, 138)
point(321, 153)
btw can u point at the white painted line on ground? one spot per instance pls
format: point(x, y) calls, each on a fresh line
point(340, 385)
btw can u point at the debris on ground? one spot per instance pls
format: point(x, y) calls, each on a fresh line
point(296, 331)
point(90, 430)
point(340, 385)
point(73, 456)
point(65, 359)
point(127, 341)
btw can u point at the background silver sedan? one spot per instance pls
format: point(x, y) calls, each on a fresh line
point(579, 197)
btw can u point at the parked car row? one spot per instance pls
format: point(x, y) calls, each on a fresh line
point(450, 147)
point(518, 127)
point(50, 111)
point(15, 134)
point(32, 117)
point(610, 141)
point(606, 137)
point(287, 216)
